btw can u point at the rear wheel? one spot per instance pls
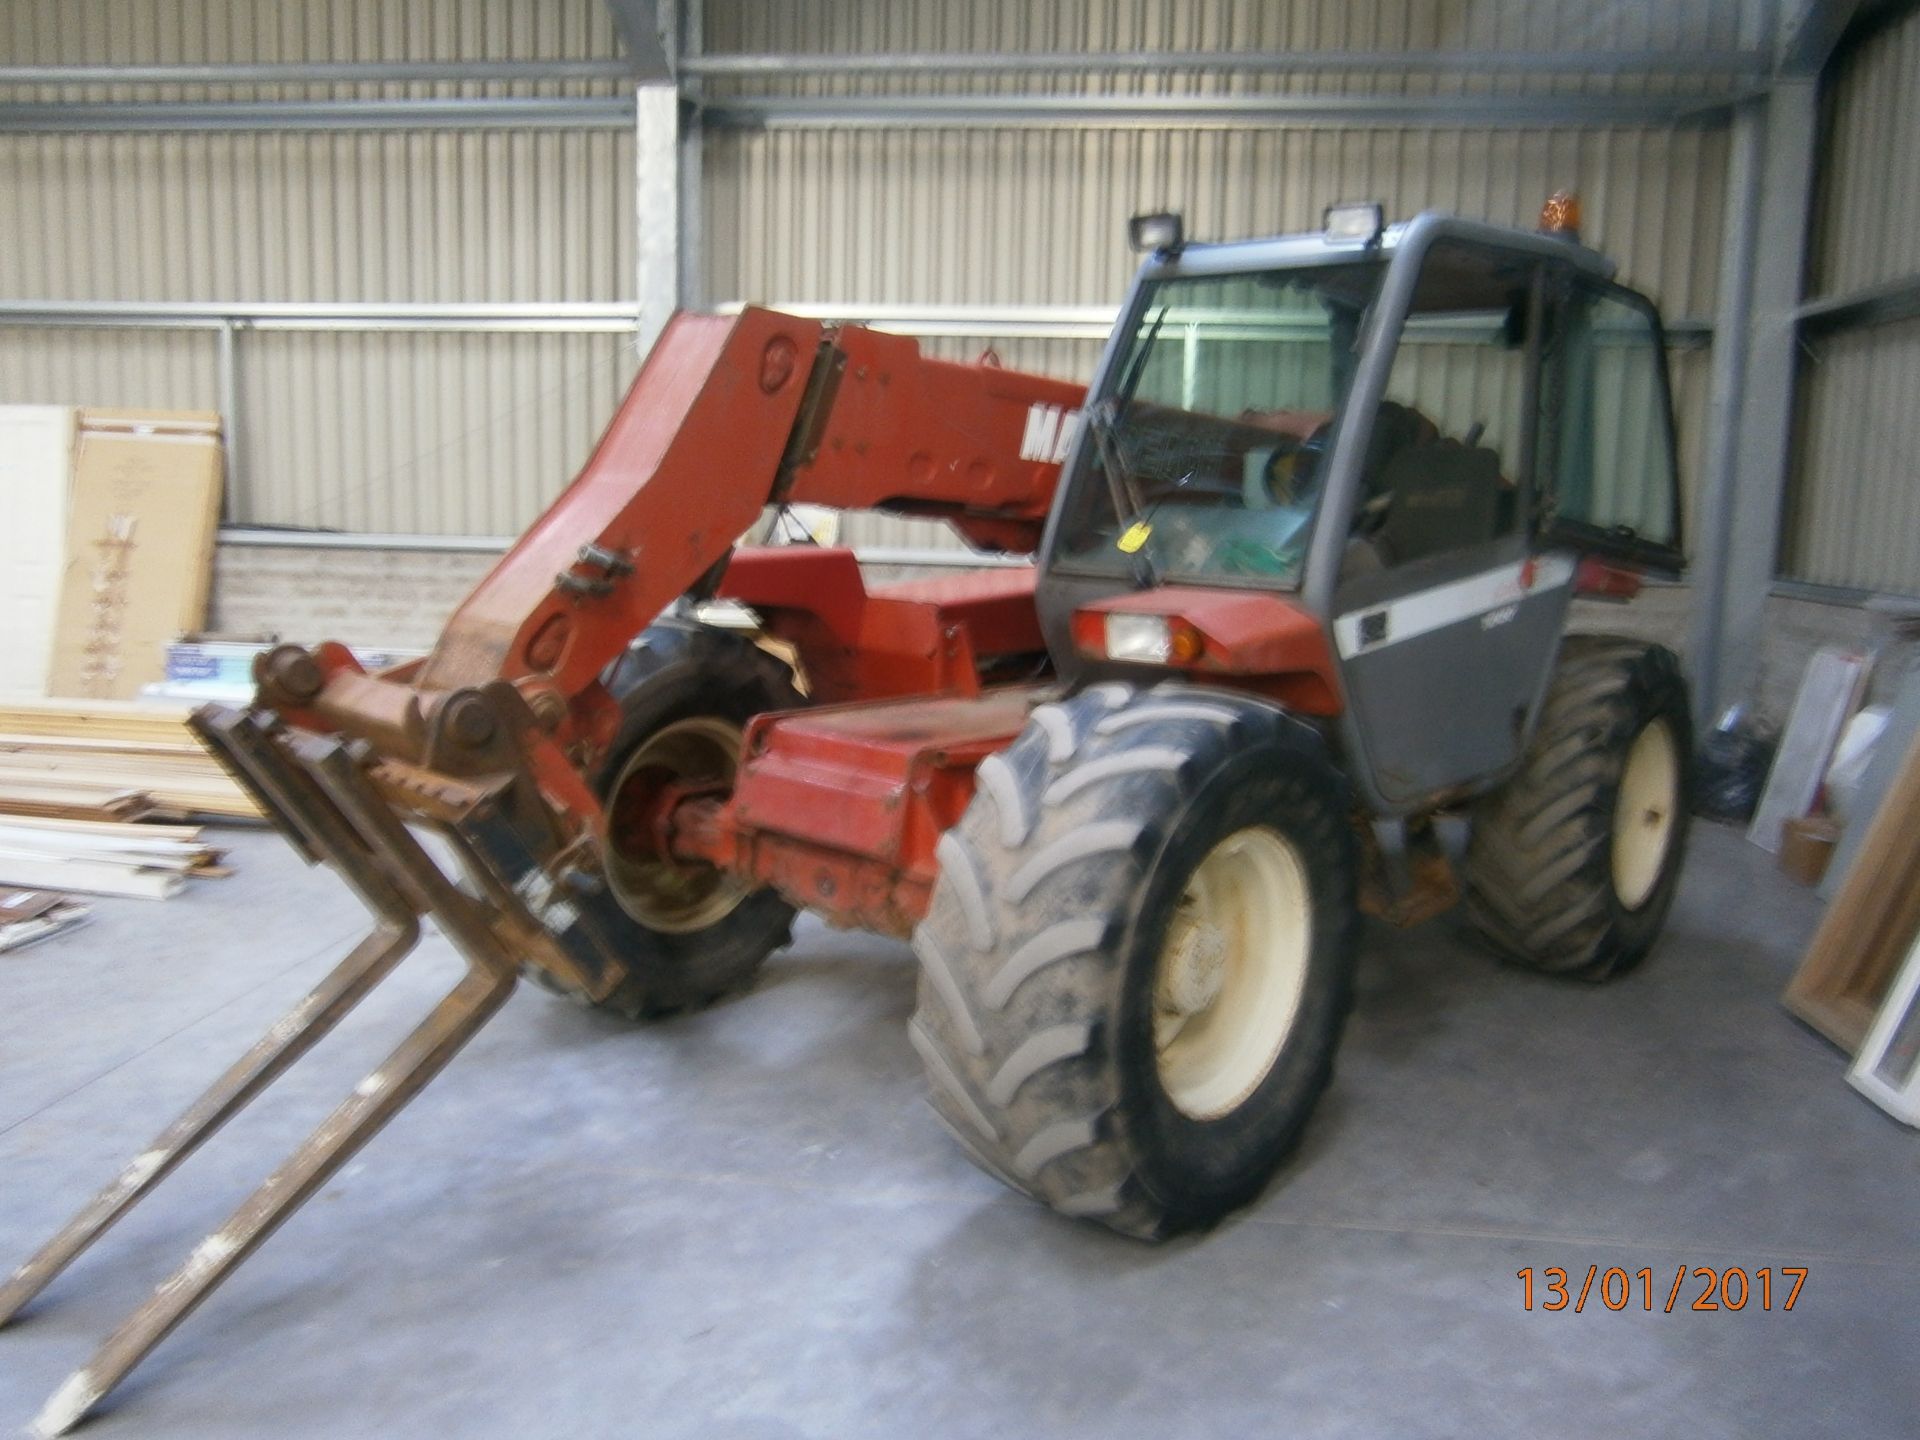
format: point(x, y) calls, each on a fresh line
point(693, 933)
point(1573, 864)
point(1139, 954)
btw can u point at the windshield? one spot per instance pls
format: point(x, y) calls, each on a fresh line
point(1207, 449)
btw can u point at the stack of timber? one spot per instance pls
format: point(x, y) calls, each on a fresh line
point(103, 857)
point(109, 760)
point(30, 915)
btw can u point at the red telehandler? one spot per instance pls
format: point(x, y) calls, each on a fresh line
point(1305, 553)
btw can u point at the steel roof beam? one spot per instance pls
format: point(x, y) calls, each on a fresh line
point(1753, 64)
point(385, 72)
point(797, 112)
point(558, 112)
point(1880, 304)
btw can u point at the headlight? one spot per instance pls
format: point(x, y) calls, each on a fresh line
point(1151, 639)
point(1147, 639)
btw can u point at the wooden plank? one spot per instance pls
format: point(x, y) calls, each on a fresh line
point(99, 864)
point(113, 783)
point(106, 757)
point(133, 849)
point(30, 915)
point(90, 877)
point(187, 750)
point(97, 719)
point(107, 769)
point(73, 802)
point(208, 790)
point(1829, 693)
point(1845, 973)
point(139, 829)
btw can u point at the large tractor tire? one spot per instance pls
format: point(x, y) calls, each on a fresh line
point(1572, 864)
point(693, 934)
point(1139, 954)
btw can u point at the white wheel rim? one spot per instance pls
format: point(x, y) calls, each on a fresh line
point(1232, 969)
point(1644, 813)
point(663, 894)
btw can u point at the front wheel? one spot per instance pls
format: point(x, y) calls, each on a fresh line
point(1139, 955)
point(692, 933)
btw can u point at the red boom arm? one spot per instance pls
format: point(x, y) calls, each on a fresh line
point(726, 415)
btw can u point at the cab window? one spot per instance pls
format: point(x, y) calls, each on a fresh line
point(1206, 447)
point(1607, 463)
point(1451, 438)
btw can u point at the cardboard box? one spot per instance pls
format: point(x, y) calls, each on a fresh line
point(1806, 847)
point(142, 511)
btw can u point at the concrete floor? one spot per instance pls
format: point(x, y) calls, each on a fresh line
point(744, 1223)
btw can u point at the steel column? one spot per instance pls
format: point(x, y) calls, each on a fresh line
point(656, 200)
point(691, 30)
point(227, 375)
point(1762, 445)
point(1713, 523)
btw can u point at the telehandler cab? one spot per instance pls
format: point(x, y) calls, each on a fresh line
point(1305, 554)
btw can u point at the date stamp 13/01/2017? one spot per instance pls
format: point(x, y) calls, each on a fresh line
point(1697, 1287)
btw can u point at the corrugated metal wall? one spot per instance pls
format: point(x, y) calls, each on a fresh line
point(141, 32)
point(1867, 228)
point(385, 429)
point(1853, 509)
point(440, 216)
point(1853, 514)
point(372, 429)
point(147, 369)
point(458, 433)
point(1037, 217)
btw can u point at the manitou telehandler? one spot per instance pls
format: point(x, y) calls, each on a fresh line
point(1305, 555)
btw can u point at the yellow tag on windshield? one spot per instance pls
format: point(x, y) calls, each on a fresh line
point(1133, 537)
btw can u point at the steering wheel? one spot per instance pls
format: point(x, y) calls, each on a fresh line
point(1292, 472)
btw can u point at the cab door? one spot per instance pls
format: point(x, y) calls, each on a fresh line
point(1446, 615)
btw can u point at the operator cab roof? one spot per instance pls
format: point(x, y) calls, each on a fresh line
point(1313, 248)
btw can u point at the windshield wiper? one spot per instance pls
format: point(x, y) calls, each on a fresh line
point(1100, 424)
point(1103, 423)
point(1103, 420)
point(1126, 502)
point(1123, 392)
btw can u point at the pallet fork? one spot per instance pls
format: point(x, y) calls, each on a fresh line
point(318, 793)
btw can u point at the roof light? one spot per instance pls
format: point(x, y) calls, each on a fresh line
point(1362, 221)
point(1561, 215)
point(1162, 231)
